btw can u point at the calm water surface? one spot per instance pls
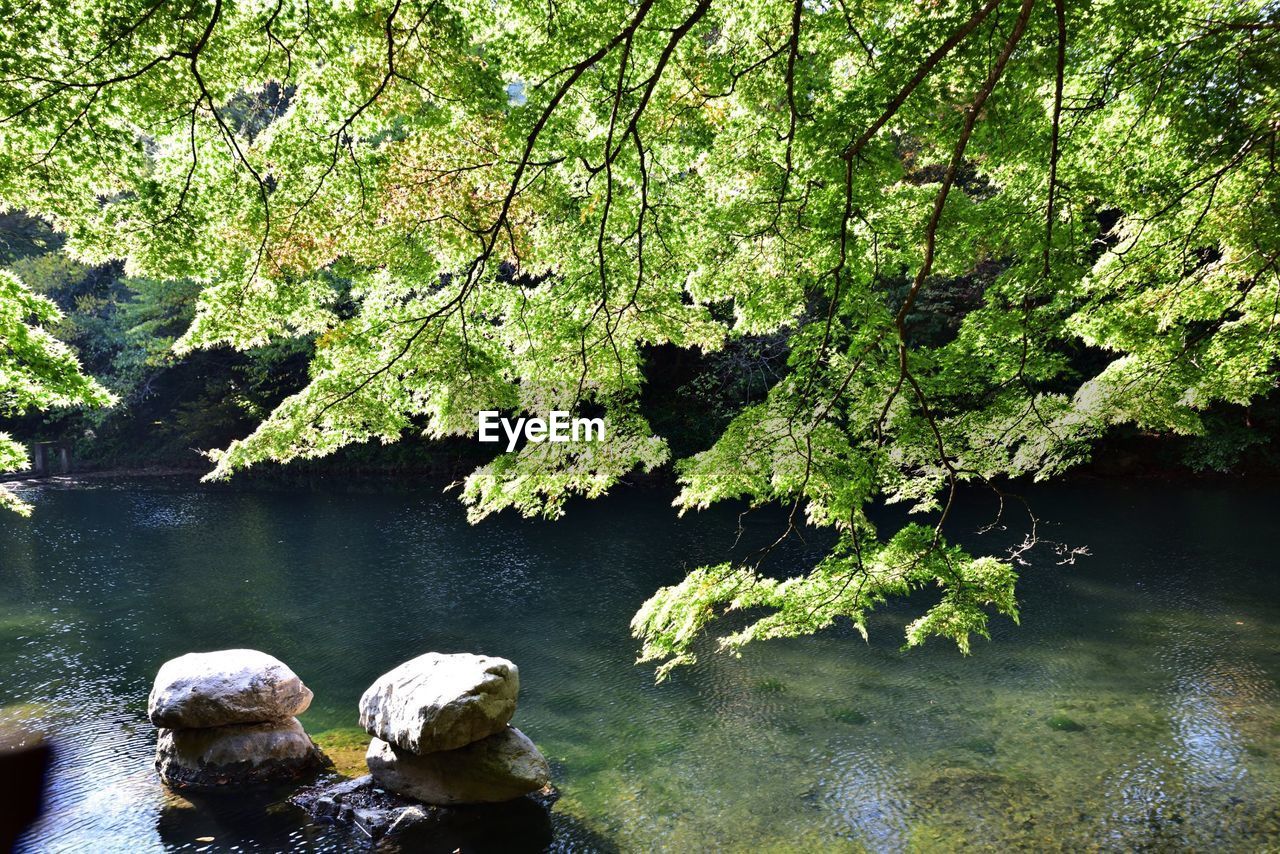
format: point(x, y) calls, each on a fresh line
point(1136, 707)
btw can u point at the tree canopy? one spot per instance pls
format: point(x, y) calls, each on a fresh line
point(505, 205)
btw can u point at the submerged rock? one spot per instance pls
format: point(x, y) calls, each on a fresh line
point(498, 768)
point(373, 813)
point(1065, 723)
point(441, 702)
point(236, 754)
point(232, 686)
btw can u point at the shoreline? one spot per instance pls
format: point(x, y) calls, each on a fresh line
point(1116, 468)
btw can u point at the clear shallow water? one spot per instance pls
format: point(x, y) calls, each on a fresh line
point(1136, 707)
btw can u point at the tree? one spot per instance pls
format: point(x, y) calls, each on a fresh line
point(123, 332)
point(525, 197)
point(36, 371)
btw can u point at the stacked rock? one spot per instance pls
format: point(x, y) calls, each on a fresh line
point(441, 731)
point(228, 717)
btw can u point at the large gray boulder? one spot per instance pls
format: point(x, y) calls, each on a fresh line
point(441, 702)
point(232, 686)
point(498, 768)
point(236, 754)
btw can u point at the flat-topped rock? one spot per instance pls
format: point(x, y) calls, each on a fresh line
point(441, 702)
point(236, 754)
point(498, 768)
point(232, 686)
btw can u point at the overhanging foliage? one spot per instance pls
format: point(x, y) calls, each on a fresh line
point(523, 196)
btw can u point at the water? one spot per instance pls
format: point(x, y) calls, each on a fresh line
point(1136, 707)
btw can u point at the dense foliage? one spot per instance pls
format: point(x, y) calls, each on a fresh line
point(123, 330)
point(36, 371)
point(478, 205)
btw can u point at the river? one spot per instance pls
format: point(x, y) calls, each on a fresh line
point(1137, 706)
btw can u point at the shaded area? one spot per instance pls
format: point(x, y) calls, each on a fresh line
point(25, 758)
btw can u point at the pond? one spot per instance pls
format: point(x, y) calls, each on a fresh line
point(1136, 706)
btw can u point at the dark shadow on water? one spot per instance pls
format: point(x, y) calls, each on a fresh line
point(520, 827)
point(192, 820)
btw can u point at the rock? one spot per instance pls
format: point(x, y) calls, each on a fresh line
point(441, 702)
point(233, 686)
point(498, 768)
point(341, 790)
point(408, 817)
point(373, 823)
point(236, 754)
point(370, 812)
point(25, 762)
point(326, 807)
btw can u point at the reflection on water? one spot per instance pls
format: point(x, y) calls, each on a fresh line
point(1136, 707)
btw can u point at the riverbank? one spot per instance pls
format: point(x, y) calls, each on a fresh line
point(1139, 460)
